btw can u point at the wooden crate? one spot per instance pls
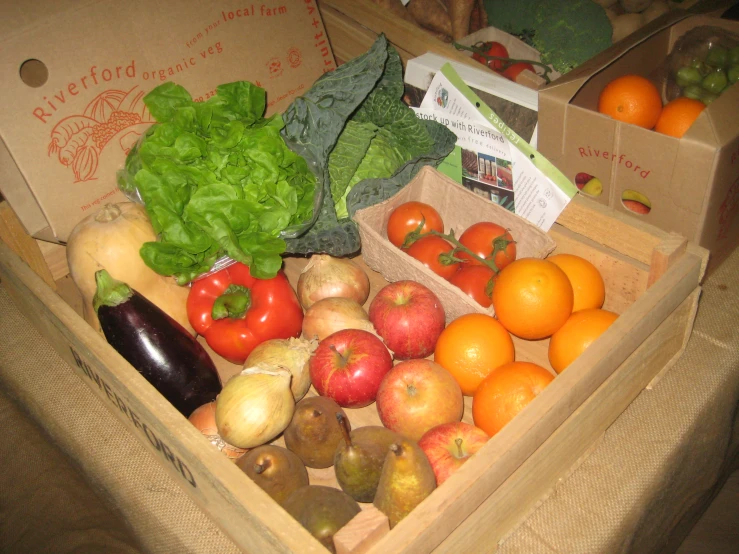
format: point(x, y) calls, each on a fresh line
point(652, 281)
point(353, 26)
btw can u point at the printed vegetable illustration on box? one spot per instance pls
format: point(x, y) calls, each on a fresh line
point(113, 119)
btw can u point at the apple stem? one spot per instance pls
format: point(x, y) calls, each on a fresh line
point(339, 354)
point(344, 426)
point(459, 441)
point(261, 468)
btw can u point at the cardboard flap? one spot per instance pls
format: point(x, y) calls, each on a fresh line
point(724, 126)
point(70, 130)
point(568, 85)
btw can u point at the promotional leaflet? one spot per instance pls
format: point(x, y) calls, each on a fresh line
point(491, 159)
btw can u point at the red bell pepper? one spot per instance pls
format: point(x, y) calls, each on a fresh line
point(235, 312)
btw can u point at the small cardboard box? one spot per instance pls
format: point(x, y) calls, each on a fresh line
point(692, 183)
point(459, 208)
point(74, 75)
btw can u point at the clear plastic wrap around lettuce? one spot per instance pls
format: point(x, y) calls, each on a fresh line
point(216, 179)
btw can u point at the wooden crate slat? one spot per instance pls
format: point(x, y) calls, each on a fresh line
point(440, 513)
point(243, 510)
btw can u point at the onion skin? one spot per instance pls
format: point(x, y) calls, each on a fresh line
point(329, 277)
point(204, 420)
point(292, 353)
point(255, 406)
point(329, 315)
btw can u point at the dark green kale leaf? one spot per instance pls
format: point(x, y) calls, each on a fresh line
point(381, 139)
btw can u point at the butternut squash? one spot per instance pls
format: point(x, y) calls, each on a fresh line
point(110, 239)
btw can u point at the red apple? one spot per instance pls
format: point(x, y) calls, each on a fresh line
point(348, 366)
point(450, 445)
point(581, 179)
point(417, 395)
point(409, 317)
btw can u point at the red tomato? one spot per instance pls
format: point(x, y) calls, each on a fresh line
point(429, 251)
point(492, 49)
point(476, 281)
point(489, 241)
point(512, 71)
point(408, 217)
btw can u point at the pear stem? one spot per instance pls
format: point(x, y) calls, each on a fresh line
point(344, 426)
point(396, 449)
point(261, 468)
point(317, 413)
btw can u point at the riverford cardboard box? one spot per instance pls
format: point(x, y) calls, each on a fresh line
point(74, 74)
point(692, 183)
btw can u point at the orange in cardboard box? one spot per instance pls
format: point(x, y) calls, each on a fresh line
point(631, 99)
point(678, 115)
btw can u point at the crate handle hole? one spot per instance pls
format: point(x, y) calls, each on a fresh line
point(636, 202)
point(34, 73)
point(589, 185)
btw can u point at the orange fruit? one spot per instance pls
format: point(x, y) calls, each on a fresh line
point(505, 392)
point(587, 282)
point(579, 332)
point(532, 298)
point(631, 99)
point(471, 347)
point(678, 115)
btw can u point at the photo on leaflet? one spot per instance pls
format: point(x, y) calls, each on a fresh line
point(504, 174)
point(501, 196)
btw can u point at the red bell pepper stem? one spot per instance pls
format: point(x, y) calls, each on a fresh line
point(233, 303)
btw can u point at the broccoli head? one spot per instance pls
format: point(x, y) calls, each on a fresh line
point(566, 32)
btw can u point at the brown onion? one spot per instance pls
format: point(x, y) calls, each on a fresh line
point(329, 277)
point(204, 419)
point(329, 315)
point(255, 406)
point(292, 353)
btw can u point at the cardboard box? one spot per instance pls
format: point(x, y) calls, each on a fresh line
point(692, 183)
point(74, 75)
point(459, 208)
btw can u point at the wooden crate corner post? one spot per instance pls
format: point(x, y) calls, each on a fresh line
point(15, 236)
point(362, 532)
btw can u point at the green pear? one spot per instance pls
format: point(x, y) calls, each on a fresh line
point(359, 459)
point(407, 478)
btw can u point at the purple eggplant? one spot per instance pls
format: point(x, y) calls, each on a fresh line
point(161, 349)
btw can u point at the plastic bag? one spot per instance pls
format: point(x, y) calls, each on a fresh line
point(703, 63)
